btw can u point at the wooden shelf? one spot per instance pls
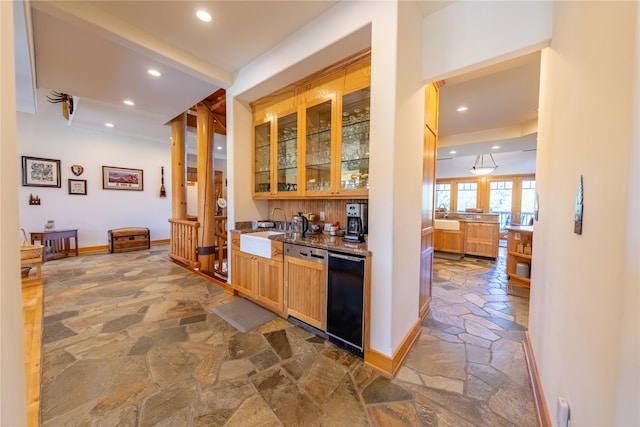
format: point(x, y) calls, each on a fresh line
point(518, 237)
point(519, 255)
point(520, 278)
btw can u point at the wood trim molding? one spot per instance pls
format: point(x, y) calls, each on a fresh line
point(104, 248)
point(388, 366)
point(544, 420)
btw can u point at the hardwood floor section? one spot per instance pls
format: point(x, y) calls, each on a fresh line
point(32, 310)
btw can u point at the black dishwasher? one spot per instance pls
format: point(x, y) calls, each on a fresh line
point(345, 301)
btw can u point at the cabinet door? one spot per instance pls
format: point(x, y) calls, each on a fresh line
point(353, 166)
point(318, 148)
point(270, 284)
point(481, 239)
point(262, 159)
point(306, 286)
point(287, 155)
point(244, 273)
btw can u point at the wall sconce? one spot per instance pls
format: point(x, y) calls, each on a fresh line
point(479, 168)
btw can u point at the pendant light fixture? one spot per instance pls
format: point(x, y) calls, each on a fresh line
point(479, 168)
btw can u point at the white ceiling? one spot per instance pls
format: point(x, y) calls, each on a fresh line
point(503, 112)
point(99, 51)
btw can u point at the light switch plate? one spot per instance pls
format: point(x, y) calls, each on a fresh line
point(562, 413)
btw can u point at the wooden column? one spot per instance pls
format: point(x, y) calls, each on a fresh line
point(178, 167)
point(206, 188)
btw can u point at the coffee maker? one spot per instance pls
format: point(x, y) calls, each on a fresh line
point(357, 222)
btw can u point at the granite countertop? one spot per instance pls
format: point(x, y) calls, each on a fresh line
point(528, 228)
point(469, 217)
point(321, 241)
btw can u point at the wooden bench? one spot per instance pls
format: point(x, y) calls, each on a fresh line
point(129, 239)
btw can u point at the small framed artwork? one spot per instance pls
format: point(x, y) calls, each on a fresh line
point(114, 178)
point(38, 172)
point(78, 186)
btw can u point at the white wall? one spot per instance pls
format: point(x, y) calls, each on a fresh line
point(471, 34)
point(13, 406)
point(407, 170)
point(585, 298)
point(47, 135)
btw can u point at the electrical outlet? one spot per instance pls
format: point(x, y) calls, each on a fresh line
point(562, 413)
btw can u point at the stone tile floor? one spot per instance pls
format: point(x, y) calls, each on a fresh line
point(130, 340)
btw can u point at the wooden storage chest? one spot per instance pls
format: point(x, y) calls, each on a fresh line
point(129, 239)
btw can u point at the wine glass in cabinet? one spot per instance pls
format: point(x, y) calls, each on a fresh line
point(354, 147)
point(318, 149)
point(262, 159)
point(287, 155)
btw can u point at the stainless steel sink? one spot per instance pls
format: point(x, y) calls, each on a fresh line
point(258, 243)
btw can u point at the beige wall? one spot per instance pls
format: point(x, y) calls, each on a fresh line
point(12, 369)
point(584, 288)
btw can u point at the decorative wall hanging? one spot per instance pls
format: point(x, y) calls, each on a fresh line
point(78, 186)
point(577, 222)
point(38, 172)
point(163, 191)
point(114, 178)
point(34, 200)
point(77, 170)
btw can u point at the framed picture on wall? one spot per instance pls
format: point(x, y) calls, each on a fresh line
point(78, 186)
point(38, 172)
point(114, 178)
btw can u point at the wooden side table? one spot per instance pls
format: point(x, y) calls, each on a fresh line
point(57, 243)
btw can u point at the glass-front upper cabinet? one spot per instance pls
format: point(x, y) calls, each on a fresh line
point(318, 148)
point(287, 154)
point(262, 159)
point(354, 162)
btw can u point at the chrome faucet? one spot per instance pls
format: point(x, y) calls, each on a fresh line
point(445, 214)
point(284, 225)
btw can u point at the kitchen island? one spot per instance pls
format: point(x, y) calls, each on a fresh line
point(467, 234)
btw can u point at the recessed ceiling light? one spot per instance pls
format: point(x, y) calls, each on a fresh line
point(462, 108)
point(109, 125)
point(154, 73)
point(203, 15)
point(219, 148)
point(452, 152)
point(495, 147)
point(129, 102)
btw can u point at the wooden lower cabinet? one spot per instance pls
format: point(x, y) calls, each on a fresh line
point(260, 279)
point(244, 276)
point(306, 290)
point(270, 289)
point(481, 239)
point(449, 240)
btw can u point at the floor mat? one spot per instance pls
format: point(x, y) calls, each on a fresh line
point(243, 315)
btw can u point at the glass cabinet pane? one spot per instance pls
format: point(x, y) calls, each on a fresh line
point(262, 156)
point(318, 147)
point(287, 153)
point(354, 173)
